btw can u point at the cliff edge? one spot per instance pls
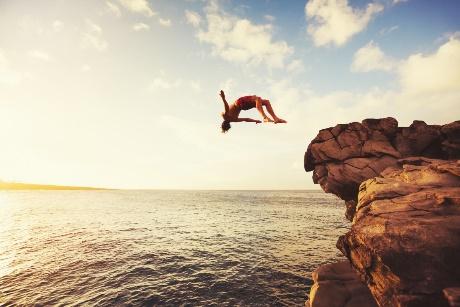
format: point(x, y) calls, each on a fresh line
point(344, 156)
point(401, 186)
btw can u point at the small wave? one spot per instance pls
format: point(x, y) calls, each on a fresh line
point(161, 248)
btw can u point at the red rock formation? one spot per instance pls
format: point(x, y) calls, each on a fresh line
point(404, 242)
point(405, 236)
point(343, 156)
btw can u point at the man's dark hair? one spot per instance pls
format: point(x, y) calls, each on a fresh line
point(225, 126)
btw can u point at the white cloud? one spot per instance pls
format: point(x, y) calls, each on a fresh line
point(40, 55)
point(285, 97)
point(370, 57)
point(307, 111)
point(435, 72)
point(335, 22)
point(429, 89)
point(193, 18)
point(141, 27)
point(92, 27)
point(241, 41)
point(138, 6)
point(165, 22)
point(92, 37)
point(113, 8)
point(57, 25)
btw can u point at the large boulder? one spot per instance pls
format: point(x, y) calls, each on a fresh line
point(405, 236)
point(344, 156)
point(338, 285)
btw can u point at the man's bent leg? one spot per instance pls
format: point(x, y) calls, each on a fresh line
point(269, 108)
point(261, 111)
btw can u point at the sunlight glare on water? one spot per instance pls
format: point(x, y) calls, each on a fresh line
point(150, 248)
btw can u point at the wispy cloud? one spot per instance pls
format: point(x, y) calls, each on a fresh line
point(165, 22)
point(138, 6)
point(193, 18)
point(113, 8)
point(140, 26)
point(334, 22)
point(92, 37)
point(386, 31)
point(399, 1)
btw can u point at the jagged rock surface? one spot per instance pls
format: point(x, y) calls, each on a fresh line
point(405, 236)
point(343, 156)
point(453, 296)
point(338, 285)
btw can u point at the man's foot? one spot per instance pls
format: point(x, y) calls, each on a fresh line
point(280, 121)
point(268, 120)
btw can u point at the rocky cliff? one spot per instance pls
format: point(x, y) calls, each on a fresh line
point(344, 156)
point(404, 242)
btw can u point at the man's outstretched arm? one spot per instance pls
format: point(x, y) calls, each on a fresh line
point(222, 95)
point(249, 120)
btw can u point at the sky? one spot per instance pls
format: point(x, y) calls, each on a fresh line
point(124, 93)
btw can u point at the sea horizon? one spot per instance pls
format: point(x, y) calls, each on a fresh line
point(97, 188)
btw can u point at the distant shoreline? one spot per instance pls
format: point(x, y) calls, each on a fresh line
point(30, 186)
point(13, 186)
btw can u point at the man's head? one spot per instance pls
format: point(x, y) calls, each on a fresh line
point(225, 126)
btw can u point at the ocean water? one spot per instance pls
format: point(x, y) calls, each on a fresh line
point(164, 248)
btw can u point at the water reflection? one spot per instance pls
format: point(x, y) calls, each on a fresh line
point(164, 247)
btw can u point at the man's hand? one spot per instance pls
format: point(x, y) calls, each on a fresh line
point(248, 120)
point(222, 94)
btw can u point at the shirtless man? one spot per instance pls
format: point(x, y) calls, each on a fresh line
point(232, 112)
